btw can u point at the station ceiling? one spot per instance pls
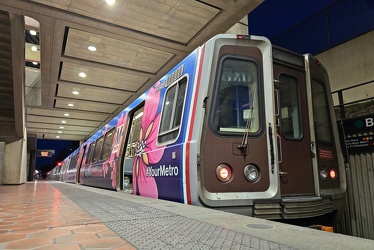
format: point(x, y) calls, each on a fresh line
point(136, 41)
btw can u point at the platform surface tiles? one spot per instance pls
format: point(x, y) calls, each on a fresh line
point(54, 215)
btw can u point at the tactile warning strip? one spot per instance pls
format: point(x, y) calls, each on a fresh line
point(149, 228)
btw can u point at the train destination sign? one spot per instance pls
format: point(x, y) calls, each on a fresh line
point(45, 153)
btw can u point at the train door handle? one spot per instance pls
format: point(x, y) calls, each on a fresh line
point(281, 173)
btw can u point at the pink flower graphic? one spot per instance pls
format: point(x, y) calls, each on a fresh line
point(147, 152)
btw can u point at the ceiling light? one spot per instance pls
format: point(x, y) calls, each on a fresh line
point(35, 63)
point(92, 48)
point(63, 121)
point(82, 74)
point(34, 48)
point(110, 2)
point(33, 32)
point(57, 136)
point(66, 114)
point(61, 127)
point(60, 132)
point(71, 105)
point(75, 92)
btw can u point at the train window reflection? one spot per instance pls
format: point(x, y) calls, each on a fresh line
point(90, 153)
point(97, 151)
point(237, 108)
point(289, 107)
point(321, 112)
point(172, 112)
point(107, 144)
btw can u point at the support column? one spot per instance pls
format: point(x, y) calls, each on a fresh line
point(15, 162)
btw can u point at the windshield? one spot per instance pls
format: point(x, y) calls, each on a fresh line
point(237, 99)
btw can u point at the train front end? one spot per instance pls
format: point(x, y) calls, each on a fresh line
point(260, 152)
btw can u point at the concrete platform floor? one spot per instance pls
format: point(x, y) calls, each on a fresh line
point(54, 215)
point(35, 215)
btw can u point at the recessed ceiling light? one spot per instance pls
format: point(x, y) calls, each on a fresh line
point(61, 127)
point(66, 114)
point(75, 92)
point(92, 48)
point(32, 32)
point(71, 105)
point(82, 74)
point(110, 2)
point(34, 48)
point(35, 63)
point(63, 121)
point(60, 132)
point(57, 136)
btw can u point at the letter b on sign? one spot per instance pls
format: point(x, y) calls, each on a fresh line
point(369, 122)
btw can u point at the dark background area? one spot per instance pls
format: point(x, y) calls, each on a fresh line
point(274, 17)
point(62, 150)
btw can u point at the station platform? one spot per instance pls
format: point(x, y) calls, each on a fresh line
point(54, 215)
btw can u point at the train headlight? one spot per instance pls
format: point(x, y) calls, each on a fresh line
point(333, 174)
point(223, 172)
point(323, 174)
point(251, 173)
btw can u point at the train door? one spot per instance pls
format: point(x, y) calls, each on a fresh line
point(134, 128)
point(293, 130)
point(329, 156)
point(79, 165)
point(234, 153)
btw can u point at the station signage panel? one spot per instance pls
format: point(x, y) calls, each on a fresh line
point(359, 133)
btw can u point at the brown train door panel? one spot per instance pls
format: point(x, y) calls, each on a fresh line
point(294, 144)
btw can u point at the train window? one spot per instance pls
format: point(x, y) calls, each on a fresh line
point(73, 162)
point(136, 125)
point(289, 107)
point(107, 144)
point(90, 153)
point(321, 112)
point(172, 111)
point(236, 109)
point(96, 154)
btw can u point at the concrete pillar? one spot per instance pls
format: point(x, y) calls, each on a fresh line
point(2, 153)
point(15, 162)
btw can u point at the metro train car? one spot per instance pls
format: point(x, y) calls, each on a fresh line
point(239, 125)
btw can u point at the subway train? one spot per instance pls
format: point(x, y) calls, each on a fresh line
point(239, 125)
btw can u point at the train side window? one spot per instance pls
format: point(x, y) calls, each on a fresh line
point(236, 104)
point(90, 153)
point(96, 154)
point(108, 140)
point(172, 112)
point(136, 125)
point(290, 107)
point(321, 112)
point(73, 162)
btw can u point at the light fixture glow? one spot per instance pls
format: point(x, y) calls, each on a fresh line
point(33, 32)
point(75, 92)
point(57, 136)
point(59, 132)
point(82, 74)
point(66, 114)
point(34, 48)
point(63, 121)
point(35, 63)
point(110, 2)
point(71, 105)
point(61, 127)
point(92, 48)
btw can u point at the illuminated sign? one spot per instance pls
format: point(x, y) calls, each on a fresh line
point(45, 153)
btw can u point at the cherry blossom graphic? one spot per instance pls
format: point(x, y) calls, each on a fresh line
point(147, 152)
